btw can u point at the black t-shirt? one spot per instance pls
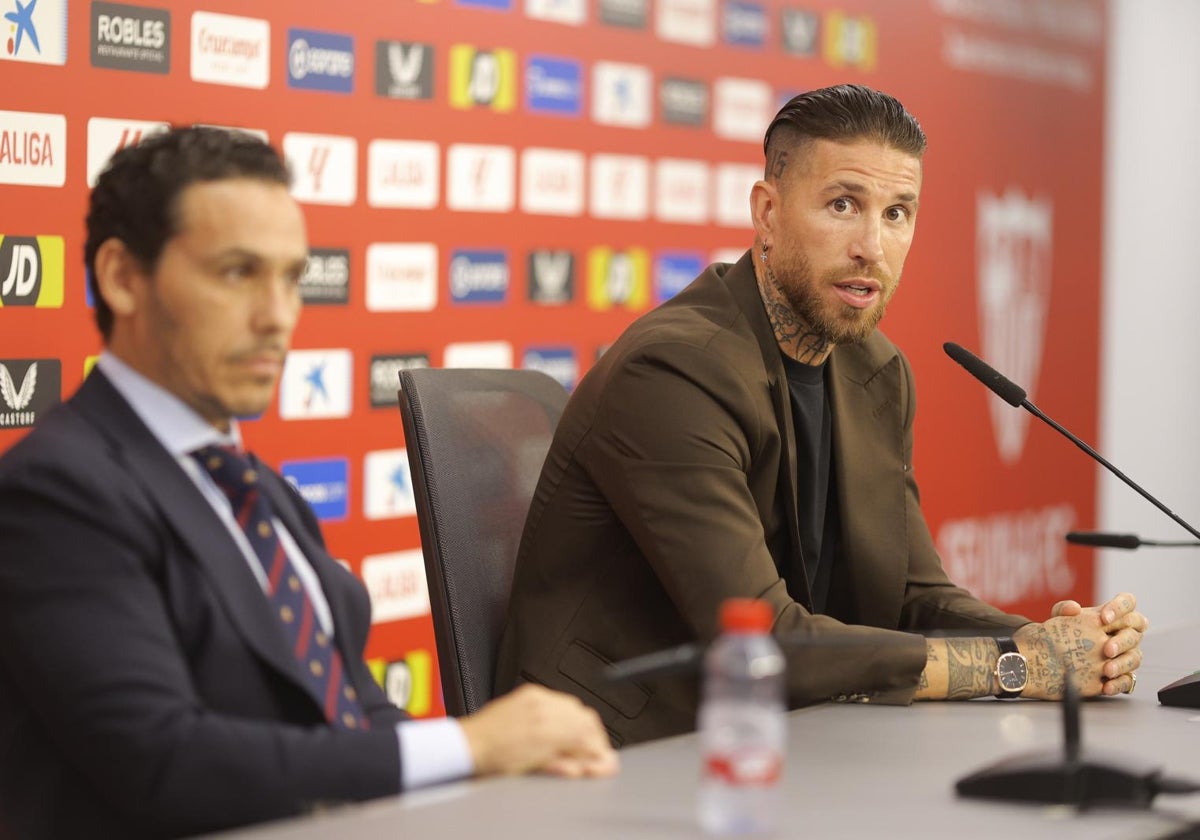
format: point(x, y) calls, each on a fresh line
point(816, 503)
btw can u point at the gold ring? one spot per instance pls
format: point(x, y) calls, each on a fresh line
point(1132, 682)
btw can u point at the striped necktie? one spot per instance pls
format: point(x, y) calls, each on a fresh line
point(237, 477)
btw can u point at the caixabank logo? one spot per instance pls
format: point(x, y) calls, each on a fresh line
point(320, 61)
point(482, 78)
point(31, 271)
point(35, 31)
point(28, 389)
point(618, 278)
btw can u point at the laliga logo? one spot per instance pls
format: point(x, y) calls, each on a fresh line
point(1013, 247)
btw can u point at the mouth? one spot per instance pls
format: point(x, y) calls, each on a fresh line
point(858, 292)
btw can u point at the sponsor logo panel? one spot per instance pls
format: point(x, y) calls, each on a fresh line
point(742, 108)
point(35, 31)
point(479, 276)
point(498, 5)
point(481, 178)
point(552, 181)
point(618, 278)
point(28, 389)
point(799, 30)
point(324, 167)
point(744, 24)
point(631, 14)
point(401, 276)
point(732, 201)
point(683, 102)
point(482, 78)
point(621, 94)
point(315, 385)
point(385, 376)
point(106, 137)
point(404, 69)
point(554, 86)
point(326, 279)
point(551, 277)
point(131, 38)
point(478, 354)
point(850, 41)
point(33, 149)
point(681, 191)
point(673, 271)
point(691, 22)
point(231, 50)
point(388, 492)
point(557, 362)
point(620, 187)
point(323, 483)
point(407, 682)
point(396, 584)
point(320, 61)
point(402, 173)
point(570, 12)
point(32, 271)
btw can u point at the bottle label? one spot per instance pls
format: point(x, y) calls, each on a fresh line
point(760, 768)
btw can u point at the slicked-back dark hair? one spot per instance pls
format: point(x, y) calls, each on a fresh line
point(842, 113)
point(136, 198)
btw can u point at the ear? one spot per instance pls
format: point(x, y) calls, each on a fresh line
point(119, 277)
point(764, 210)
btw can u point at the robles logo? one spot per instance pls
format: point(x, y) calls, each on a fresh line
point(131, 38)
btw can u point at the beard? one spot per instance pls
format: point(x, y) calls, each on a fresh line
point(831, 320)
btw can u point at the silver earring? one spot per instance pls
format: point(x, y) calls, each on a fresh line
point(764, 253)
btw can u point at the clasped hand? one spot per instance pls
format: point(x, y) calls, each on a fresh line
point(1099, 646)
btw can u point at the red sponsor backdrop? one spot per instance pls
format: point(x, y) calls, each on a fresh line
point(1006, 259)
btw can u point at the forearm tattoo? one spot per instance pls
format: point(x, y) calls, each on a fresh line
point(969, 667)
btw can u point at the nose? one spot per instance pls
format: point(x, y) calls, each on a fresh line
point(866, 248)
point(278, 304)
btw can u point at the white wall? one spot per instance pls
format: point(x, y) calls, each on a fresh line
point(1150, 364)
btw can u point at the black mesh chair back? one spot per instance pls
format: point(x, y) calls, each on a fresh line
point(476, 442)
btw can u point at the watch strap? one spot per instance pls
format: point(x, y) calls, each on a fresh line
point(1006, 645)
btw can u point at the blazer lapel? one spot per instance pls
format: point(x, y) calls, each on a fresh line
point(743, 285)
point(193, 520)
point(867, 444)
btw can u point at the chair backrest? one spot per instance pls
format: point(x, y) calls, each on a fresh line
point(476, 443)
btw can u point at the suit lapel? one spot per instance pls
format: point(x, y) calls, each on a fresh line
point(868, 443)
point(741, 282)
point(192, 518)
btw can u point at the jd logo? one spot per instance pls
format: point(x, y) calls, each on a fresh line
point(31, 271)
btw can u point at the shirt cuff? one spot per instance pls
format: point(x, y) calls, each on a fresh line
point(431, 752)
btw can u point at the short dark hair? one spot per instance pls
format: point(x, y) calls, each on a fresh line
point(842, 113)
point(136, 198)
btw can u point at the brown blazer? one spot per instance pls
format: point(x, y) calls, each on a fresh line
point(671, 485)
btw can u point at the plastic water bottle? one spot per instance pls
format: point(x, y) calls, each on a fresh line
point(741, 723)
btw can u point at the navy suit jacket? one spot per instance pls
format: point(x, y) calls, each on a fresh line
point(145, 687)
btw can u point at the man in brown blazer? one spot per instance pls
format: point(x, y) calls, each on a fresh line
point(752, 437)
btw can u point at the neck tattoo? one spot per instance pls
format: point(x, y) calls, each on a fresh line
point(795, 337)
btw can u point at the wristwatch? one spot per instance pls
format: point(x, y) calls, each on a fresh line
point(1011, 669)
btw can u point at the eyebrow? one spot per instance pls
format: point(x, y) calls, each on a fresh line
point(858, 189)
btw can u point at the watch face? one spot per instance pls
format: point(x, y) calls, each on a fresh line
point(1011, 671)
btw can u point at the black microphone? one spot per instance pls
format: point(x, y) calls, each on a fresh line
point(1015, 395)
point(1184, 692)
point(1104, 539)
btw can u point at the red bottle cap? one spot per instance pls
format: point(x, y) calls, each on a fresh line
point(746, 615)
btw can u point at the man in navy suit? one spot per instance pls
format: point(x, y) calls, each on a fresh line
point(178, 651)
